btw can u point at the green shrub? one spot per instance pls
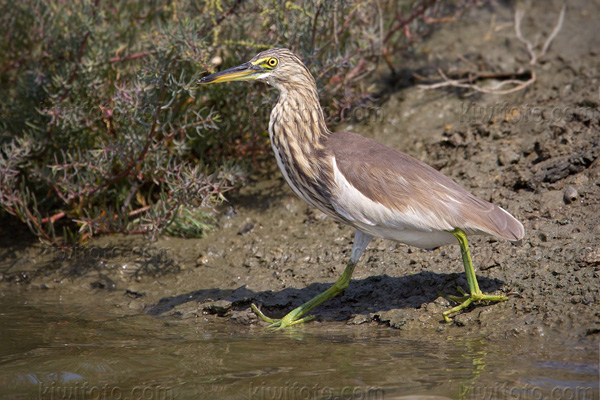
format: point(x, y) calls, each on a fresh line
point(103, 128)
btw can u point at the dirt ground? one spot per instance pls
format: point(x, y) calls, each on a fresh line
point(535, 153)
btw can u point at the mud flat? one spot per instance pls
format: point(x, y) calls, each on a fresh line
point(534, 152)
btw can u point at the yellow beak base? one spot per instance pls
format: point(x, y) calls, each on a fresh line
point(244, 72)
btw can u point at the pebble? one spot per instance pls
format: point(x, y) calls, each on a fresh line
point(570, 194)
point(359, 319)
point(508, 156)
point(593, 257)
point(244, 317)
point(219, 307)
point(202, 260)
point(461, 320)
point(247, 228)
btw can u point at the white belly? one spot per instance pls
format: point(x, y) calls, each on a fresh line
point(411, 226)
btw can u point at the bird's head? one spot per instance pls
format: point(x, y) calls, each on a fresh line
point(277, 67)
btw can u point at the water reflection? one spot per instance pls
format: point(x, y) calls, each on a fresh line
point(45, 353)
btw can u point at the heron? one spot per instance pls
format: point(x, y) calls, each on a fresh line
point(379, 191)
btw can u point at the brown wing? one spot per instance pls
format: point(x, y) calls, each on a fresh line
point(411, 187)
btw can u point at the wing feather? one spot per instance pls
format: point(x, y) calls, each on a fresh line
point(415, 195)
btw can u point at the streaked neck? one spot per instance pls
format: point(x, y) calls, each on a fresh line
point(298, 115)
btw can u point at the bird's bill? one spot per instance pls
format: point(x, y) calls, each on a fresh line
point(244, 72)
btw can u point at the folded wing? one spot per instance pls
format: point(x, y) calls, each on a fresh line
point(383, 188)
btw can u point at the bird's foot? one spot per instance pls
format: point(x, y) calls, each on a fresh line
point(291, 319)
point(466, 299)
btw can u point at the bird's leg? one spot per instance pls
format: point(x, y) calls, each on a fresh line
point(295, 316)
point(361, 241)
point(475, 293)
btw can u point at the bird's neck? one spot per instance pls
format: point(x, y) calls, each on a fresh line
point(298, 118)
point(297, 131)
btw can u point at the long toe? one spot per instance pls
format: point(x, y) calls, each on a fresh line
point(262, 316)
point(466, 300)
point(291, 319)
point(288, 321)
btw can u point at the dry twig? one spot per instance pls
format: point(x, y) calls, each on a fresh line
point(469, 82)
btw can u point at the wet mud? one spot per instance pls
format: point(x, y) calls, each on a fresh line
point(535, 153)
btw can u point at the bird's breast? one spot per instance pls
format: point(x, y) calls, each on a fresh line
point(306, 170)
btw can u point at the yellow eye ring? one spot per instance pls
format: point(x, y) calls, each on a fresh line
point(272, 62)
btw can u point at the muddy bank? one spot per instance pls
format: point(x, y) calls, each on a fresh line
point(535, 153)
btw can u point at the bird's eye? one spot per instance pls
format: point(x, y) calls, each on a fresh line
point(272, 62)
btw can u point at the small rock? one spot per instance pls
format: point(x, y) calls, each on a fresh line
point(508, 156)
point(570, 194)
point(593, 257)
point(219, 307)
point(259, 253)
point(202, 260)
point(134, 294)
point(320, 215)
point(359, 319)
point(291, 205)
point(247, 228)
point(432, 308)
point(244, 317)
point(184, 311)
point(103, 283)
point(187, 314)
point(442, 301)
point(462, 319)
point(588, 299)
point(395, 318)
point(251, 263)
point(455, 140)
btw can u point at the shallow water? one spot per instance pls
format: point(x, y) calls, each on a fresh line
point(47, 352)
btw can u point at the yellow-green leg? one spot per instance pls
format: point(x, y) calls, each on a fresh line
point(475, 293)
point(361, 240)
point(295, 317)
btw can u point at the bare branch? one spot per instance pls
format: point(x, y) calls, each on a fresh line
point(527, 43)
point(468, 84)
point(555, 31)
point(472, 77)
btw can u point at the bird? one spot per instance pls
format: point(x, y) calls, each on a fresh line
point(379, 191)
